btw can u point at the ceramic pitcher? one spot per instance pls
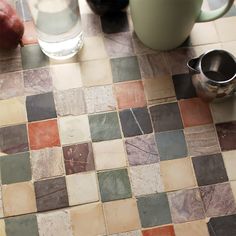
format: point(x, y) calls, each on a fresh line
point(166, 24)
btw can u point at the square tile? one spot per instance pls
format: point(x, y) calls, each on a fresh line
point(74, 129)
point(23, 202)
point(160, 231)
point(230, 47)
point(40, 107)
point(121, 216)
point(12, 111)
point(78, 158)
point(30, 34)
point(142, 150)
point(230, 163)
point(130, 95)
point(166, 117)
point(104, 127)
point(109, 154)
point(186, 205)
point(82, 188)
point(91, 24)
point(218, 200)
point(135, 121)
point(13, 139)
point(43, 134)
point(131, 233)
point(125, 69)
point(177, 174)
point(114, 185)
point(51, 194)
point(47, 163)
point(1, 206)
point(202, 140)
point(209, 169)
point(143, 174)
point(2, 228)
point(195, 112)
point(82, 216)
point(171, 145)
point(154, 210)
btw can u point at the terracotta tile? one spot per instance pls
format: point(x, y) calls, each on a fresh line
point(195, 112)
point(30, 35)
point(131, 233)
point(43, 134)
point(2, 228)
point(160, 231)
point(230, 163)
point(91, 25)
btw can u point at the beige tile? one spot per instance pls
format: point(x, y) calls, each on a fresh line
point(2, 228)
point(1, 207)
point(21, 203)
point(233, 186)
point(13, 111)
point(199, 50)
point(121, 216)
point(230, 163)
point(177, 174)
point(194, 228)
point(88, 220)
point(109, 154)
point(230, 46)
point(131, 233)
point(82, 188)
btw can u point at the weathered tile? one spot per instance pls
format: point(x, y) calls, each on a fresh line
point(30, 34)
point(230, 163)
point(186, 205)
point(51, 194)
point(78, 158)
point(23, 10)
point(131, 233)
point(160, 231)
point(91, 25)
point(2, 228)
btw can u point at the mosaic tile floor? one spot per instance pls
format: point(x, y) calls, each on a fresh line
point(114, 141)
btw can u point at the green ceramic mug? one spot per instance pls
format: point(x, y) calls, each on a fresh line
point(166, 24)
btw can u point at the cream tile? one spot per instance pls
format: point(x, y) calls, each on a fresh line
point(82, 188)
point(88, 220)
point(230, 163)
point(233, 187)
point(121, 216)
point(13, 111)
point(199, 50)
point(2, 228)
point(21, 203)
point(109, 154)
point(1, 206)
point(84, 7)
point(230, 46)
point(177, 174)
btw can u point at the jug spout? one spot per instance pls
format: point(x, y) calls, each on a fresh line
point(193, 65)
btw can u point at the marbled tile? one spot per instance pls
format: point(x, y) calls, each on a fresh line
point(121, 216)
point(33, 57)
point(22, 225)
point(142, 150)
point(74, 129)
point(160, 231)
point(78, 158)
point(130, 95)
point(43, 134)
point(135, 121)
point(13, 139)
point(23, 10)
point(51, 194)
point(177, 174)
point(209, 169)
point(114, 185)
point(91, 25)
point(171, 145)
point(40, 107)
point(82, 188)
point(186, 205)
point(201, 140)
point(12, 111)
point(21, 203)
point(216, 4)
point(11, 85)
point(230, 163)
point(15, 168)
point(70, 102)
point(143, 174)
point(125, 69)
point(99, 99)
point(1, 206)
point(96, 72)
point(131, 233)
point(54, 223)
point(47, 163)
point(119, 45)
point(227, 135)
point(109, 154)
point(154, 210)
point(37, 81)
point(2, 228)
point(83, 216)
point(104, 127)
point(30, 34)
point(166, 117)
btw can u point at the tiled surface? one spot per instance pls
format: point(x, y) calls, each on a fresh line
point(115, 137)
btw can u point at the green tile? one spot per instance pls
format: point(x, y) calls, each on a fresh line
point(114, 185)
point(22, 226)
point(15, 168)
point(125, 69)
point(104, 127)
point(154, 210)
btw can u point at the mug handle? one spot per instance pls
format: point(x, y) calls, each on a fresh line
point(206, 16)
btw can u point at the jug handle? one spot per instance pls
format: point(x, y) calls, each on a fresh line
point(206, 16)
